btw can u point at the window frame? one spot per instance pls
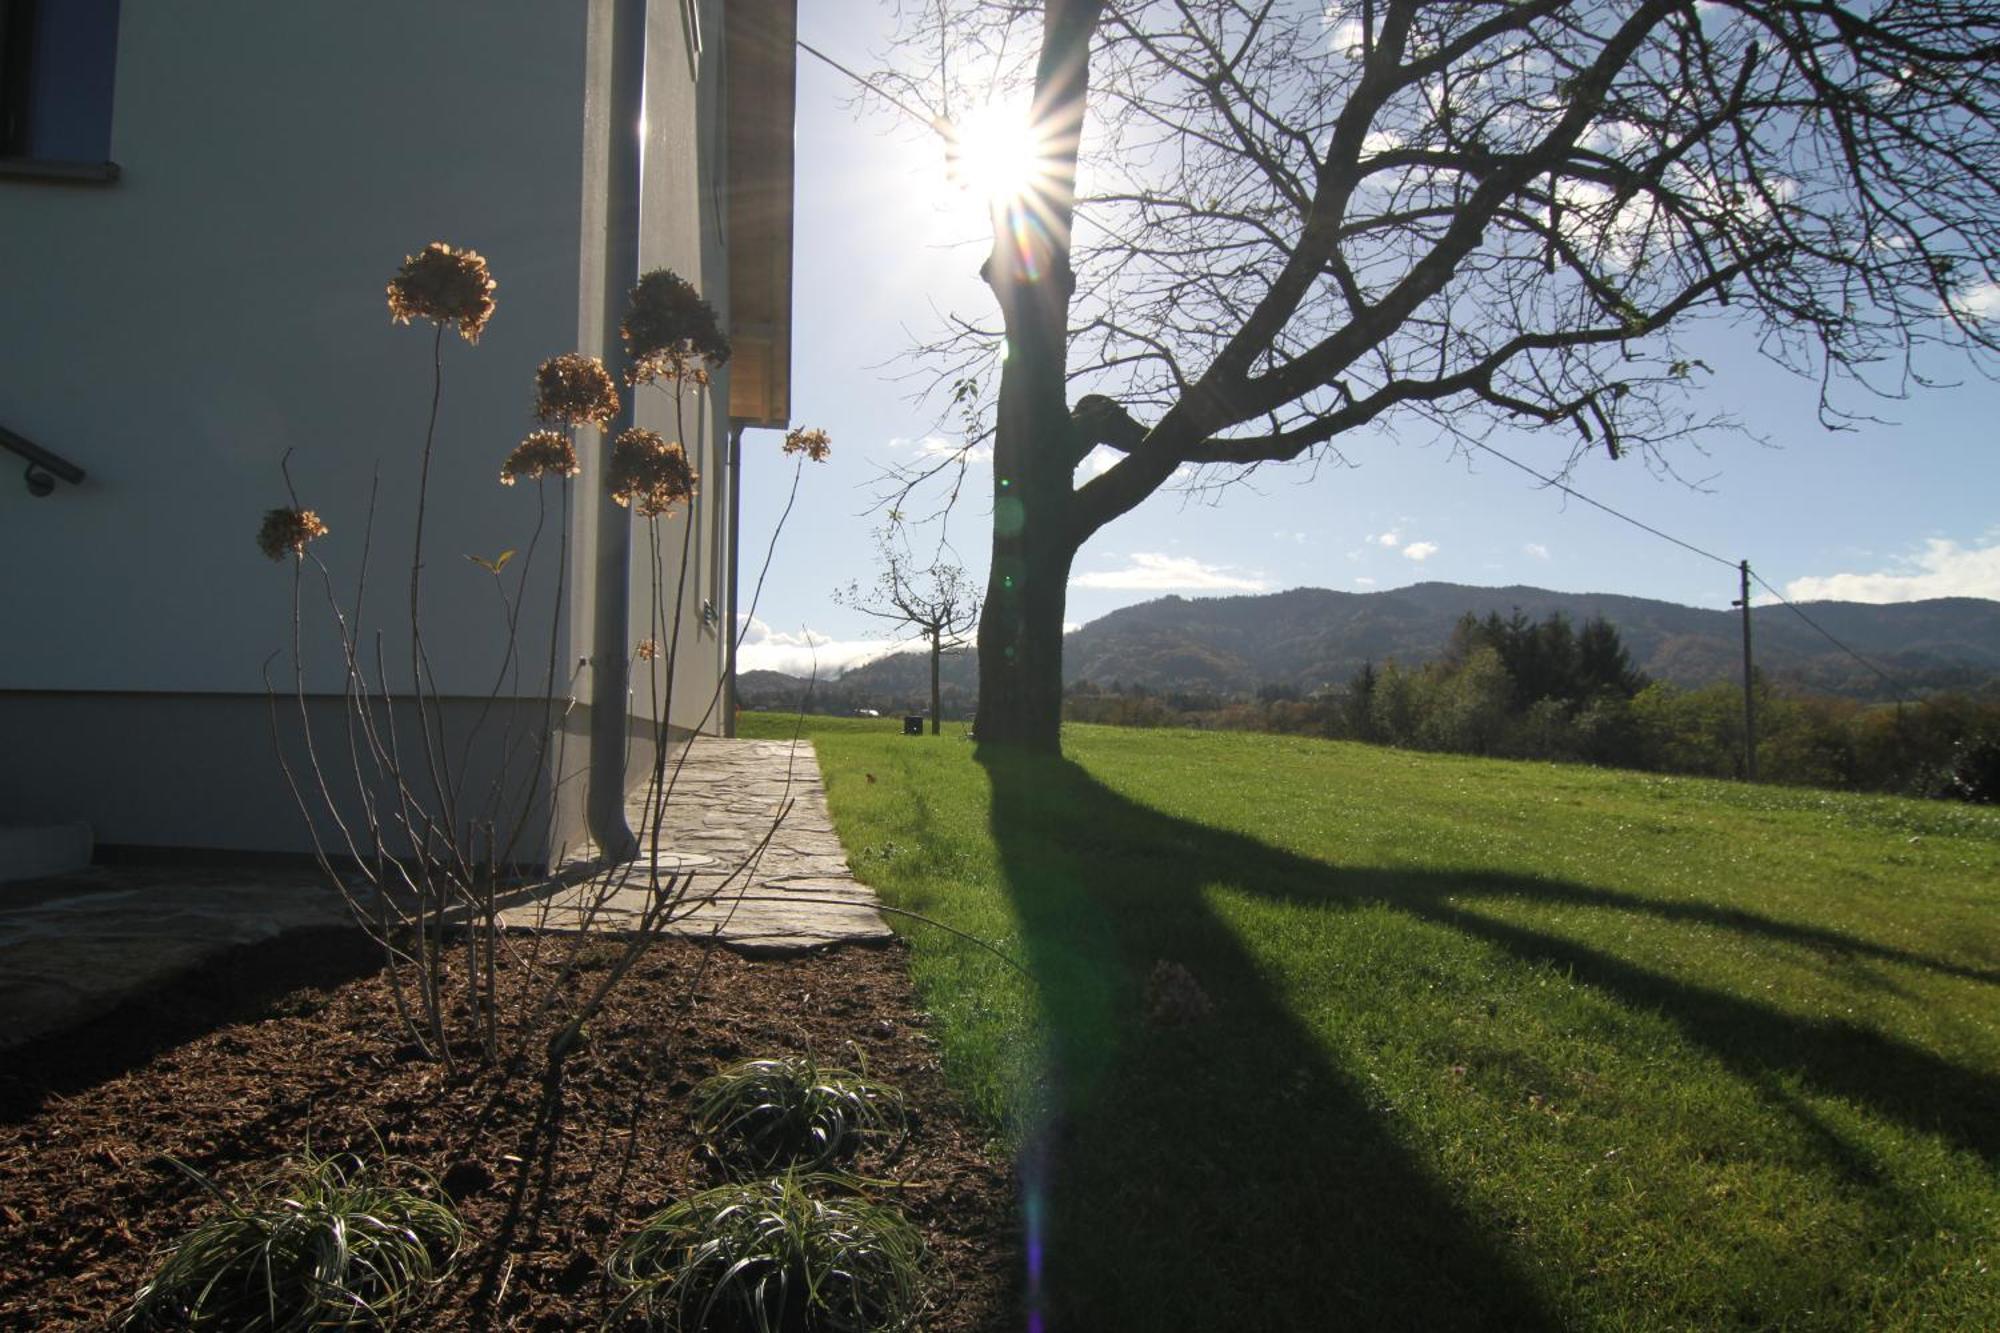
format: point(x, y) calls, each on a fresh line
point(18, 161)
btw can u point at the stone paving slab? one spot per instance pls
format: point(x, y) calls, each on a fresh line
point(72, 946)
point(798, 892)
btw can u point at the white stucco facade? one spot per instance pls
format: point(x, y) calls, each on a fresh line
point(181, 329)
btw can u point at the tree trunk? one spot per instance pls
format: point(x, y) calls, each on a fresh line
point(1034, 444)
point(937, 651)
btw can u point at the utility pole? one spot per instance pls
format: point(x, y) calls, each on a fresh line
point(1749, 694)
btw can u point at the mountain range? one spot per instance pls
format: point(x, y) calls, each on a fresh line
point(1306, 638)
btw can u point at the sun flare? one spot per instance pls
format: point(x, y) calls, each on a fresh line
point(995, 154)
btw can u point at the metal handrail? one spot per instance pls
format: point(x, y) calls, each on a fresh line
point(43, 466)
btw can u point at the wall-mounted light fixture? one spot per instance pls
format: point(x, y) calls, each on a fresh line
point(44, 468)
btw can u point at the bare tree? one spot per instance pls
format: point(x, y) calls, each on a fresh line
point(1282, 222)
point(939, 602)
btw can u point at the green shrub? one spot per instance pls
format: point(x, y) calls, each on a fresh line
point(322, 1243)
point(771, 1256)
point(790, 1114)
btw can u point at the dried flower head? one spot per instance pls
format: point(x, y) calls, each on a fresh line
point(546, 453)
point(647, 650)
point(576, 389)
point(649, 474)
point(668, 328)
point(812, 443)
point(446, 285)
point(286, 532)
point(670, 367)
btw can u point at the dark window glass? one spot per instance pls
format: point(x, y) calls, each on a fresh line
point(56, 72)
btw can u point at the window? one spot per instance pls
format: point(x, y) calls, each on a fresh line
point(57, 60)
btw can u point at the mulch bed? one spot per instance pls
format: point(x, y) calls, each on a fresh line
point(281, 1046)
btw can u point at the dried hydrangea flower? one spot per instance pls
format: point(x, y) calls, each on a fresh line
point(286, 532)
point(546, 453)
point(813, 443)
point(668, 327)
point(576, 389)
point(446, 285)
point(671, 367)
point(649, 474)
point(647, 650)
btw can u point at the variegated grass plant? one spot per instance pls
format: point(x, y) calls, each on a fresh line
point(781, 1255)
point(323, 1243)
point(792, 1114)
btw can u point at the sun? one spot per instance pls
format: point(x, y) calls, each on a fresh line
point(996, 155)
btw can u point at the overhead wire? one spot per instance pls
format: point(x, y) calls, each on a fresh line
point(1596, 504)
point(924, 116)
point(1568, 490)
point(1827, 634)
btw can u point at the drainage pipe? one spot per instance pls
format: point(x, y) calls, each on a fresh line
point(611, 671)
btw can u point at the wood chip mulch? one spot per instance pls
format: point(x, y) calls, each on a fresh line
point(282, 1046)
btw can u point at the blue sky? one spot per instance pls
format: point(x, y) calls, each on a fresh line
point(1889, 512)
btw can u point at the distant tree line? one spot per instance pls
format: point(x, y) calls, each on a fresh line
point(1525, 689)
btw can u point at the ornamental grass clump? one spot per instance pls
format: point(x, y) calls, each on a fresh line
point(771, 1256)
point(790, 1114)
point(324, 1243)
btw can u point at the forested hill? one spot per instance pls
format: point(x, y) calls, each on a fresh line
point(1310, 637)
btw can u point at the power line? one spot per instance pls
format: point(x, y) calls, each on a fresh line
point(1572, 491)
point(1886, 678)
point(923, 117)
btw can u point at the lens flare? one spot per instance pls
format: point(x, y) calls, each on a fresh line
point(996, 154)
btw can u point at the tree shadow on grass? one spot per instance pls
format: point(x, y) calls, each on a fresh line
point(1227, 1175)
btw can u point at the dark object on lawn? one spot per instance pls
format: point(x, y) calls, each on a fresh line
point(790, 1114)
point(324, 1243)
point(913, 724)
point(771, 1255)
point(1174, 998)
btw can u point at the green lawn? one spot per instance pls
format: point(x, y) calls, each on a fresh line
point(1494, 1045)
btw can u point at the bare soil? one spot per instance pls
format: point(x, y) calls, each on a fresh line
point(292, 1043)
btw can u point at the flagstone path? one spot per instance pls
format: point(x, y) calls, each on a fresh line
point(746, 835)
point(790, 893)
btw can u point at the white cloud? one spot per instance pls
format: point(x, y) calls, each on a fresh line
point(1100, 461)
point(1150, 571)
point(1363, 581)
point(933, 447)
point(1072, 626)
point(1980, 301)
point(1537, 550)
point(1421, 551)
point(1942, 569)
point(807, 650)
point(1389, 539)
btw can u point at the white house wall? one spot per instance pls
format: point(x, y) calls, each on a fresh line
point(178, 332)
point(682, 229)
